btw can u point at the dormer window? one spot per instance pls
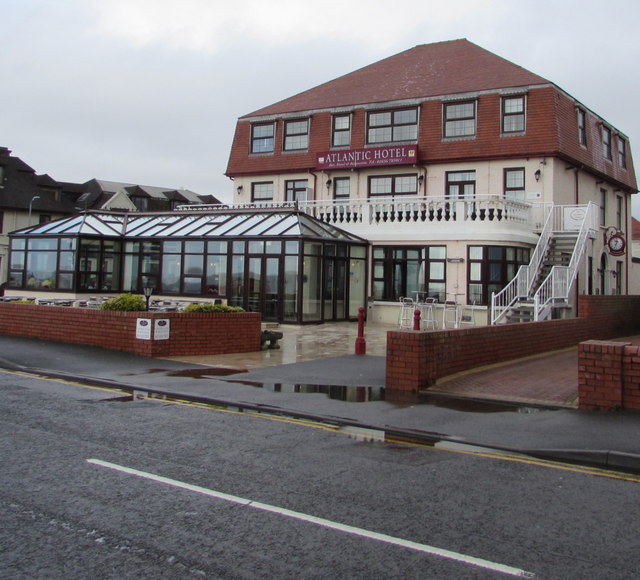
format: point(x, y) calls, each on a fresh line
point(460, 119)
point(606, 142)
point(622, 152)
point(262, 137)
point(296, 135)
point(582, 127)
point(341, 131)
point(513, 114)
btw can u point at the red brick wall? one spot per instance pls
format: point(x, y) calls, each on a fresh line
point(600, 374)
point(417, 359)
point(190, 333)
point(631, 377)
point(608, 376)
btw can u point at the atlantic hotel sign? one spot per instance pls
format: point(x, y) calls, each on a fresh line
point(370, 157)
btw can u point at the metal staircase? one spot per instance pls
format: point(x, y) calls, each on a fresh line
point(543, 287)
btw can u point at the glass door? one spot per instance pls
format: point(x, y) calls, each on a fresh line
point(263, 283)
point(254, 285)
point(334, 289)
point(271, 277)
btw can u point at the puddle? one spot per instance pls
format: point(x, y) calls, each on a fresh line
point(201, 373)
point(339, 393)
point(473, 405)
point(197, 373)
point(357, 394)
point(370, 394)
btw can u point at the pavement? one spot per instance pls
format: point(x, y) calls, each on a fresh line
point(526, 407)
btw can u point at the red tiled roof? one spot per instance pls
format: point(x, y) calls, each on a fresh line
point(427, 70)
point(635, 229)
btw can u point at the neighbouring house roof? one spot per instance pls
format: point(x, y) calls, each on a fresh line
point(427, 70)
point(155, 192)
point(280, 223)
point(23, 189)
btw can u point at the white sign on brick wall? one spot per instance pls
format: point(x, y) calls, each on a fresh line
point(143, 329)
point(161, 329)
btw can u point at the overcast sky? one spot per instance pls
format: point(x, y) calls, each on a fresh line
point(149, 91)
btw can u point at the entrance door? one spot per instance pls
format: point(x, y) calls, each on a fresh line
point(334, 289)
point(263, 283)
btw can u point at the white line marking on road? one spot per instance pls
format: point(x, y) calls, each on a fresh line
point(470, 560)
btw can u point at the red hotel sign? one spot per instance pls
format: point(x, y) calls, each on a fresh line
point(370, 157)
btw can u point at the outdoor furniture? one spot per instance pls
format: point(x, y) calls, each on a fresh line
point(405, 317)
point(467, 317)
point(428, 314)
point(451, 315)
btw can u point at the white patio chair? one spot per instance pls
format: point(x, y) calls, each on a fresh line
point(405, 317)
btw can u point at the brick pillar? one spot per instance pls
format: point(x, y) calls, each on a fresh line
point(600, 374)
point(631, 389)
point(408, 361)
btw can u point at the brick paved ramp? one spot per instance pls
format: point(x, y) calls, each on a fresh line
point(549, 379)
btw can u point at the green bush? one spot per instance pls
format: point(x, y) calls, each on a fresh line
point(125, 303)
point(208, 307)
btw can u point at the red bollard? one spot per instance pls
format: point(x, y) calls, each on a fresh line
point(361, 343)
point(416, 319)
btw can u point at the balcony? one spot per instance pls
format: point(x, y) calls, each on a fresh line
point(413, 218)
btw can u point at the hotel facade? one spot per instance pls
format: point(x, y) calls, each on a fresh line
point(443, 172)
point(454, 164)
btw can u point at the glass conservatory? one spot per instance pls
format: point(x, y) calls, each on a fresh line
point(282, 263)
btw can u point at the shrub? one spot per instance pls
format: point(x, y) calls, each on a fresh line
point(125, 303)
point(208, 307)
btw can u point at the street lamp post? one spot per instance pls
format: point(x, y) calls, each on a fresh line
point(148, 291)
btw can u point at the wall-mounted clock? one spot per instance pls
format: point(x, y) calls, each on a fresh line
point(616, 244)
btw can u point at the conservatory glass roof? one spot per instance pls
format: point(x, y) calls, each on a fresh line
point(281, 223)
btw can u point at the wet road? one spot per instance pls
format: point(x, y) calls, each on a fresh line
point(112, 489)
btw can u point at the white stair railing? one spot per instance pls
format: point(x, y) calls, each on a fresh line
point(557, 286)
point(521, 285)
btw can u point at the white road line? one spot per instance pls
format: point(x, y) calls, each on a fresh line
point(470, 560)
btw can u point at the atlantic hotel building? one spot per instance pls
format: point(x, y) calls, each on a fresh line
point(444, 171)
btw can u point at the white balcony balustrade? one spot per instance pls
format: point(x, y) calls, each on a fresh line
point(413, 217)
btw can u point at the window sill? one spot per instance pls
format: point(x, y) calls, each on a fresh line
point(460, 138)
